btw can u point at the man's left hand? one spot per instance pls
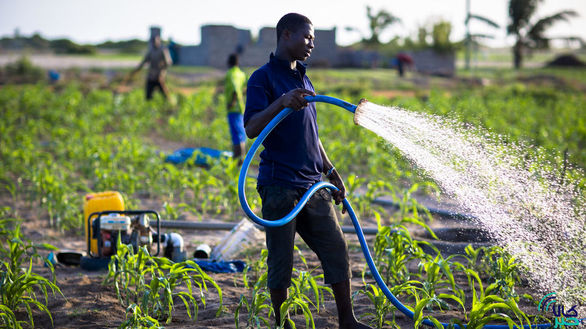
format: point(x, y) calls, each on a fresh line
point(339, 195)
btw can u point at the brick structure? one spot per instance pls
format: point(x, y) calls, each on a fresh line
point(219, 41)
point(428, 61)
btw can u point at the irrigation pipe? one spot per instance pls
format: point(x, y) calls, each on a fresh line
point(290, 216)
point(434, 211)
point(220, 226)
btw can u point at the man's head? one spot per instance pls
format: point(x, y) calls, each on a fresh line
point(232, 60)
point(157, 41)
point(295, 36)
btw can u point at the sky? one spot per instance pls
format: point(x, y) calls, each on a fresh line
point(86, 21)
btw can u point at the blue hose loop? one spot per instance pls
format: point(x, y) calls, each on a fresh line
point(291, 215)
point(261, 137)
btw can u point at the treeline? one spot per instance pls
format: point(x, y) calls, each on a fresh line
point(65, 46)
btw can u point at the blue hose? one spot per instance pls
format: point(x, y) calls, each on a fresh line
point(291, 215)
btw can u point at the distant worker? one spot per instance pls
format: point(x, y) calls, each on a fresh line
point(234, 85)
point(401, 61)
point(159, 59)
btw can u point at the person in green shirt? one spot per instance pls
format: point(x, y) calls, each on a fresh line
point(234, 85)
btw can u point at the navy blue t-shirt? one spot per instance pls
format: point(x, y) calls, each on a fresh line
point(291, 156)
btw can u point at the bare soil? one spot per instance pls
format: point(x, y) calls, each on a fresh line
point(88, 303)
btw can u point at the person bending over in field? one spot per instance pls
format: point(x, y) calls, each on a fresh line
point(159, 59)
point(292, 161)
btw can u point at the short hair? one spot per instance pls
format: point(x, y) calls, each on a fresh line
point(291, 22)
point(232, 60)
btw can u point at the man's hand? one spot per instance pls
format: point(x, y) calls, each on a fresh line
point(295, 98)
point(340, 195)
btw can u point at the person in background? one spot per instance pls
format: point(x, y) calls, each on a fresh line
point(234, 85)
point(293, 160)
point(159, 59)
point(401, 61)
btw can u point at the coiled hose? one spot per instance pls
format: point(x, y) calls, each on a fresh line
point(280, 222)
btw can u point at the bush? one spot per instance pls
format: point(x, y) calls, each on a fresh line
point(21, 71)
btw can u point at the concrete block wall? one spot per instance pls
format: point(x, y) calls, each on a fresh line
point(219, 41)
point(428, 61)
point(192, 56)
point(325, 53)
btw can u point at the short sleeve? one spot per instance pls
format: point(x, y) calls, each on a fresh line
point(258, 94)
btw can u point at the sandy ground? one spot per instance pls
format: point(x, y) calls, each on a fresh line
point(59, 62)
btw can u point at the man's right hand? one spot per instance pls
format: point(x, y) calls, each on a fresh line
point(295, 98)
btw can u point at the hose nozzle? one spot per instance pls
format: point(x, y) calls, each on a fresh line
point(360, 109)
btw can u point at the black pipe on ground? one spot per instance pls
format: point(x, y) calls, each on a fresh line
point(187, 225)
point(440, 212)
point(219, 226)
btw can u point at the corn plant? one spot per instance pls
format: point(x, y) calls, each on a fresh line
point(430, 300)
point(19, 286)
point(8, 319)
point(412, 212)
point(394, 248)
point(304, 284)
point(438, 274)
point(256, 269)
point(258, 308)
point(474, 257)
point(138, 320)
point(503, 270)
point(382, 307)
point(128, 272)
point(485, 305)
point(294, 302)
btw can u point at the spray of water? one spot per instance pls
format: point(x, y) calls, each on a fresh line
point(519, 199)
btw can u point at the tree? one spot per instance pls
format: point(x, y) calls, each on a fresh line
point(470, 38)
point(440, 35)
point(529, 34)
point(378, 23)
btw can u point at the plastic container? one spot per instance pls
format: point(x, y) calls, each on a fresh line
point(96, 202)
point(242, 236)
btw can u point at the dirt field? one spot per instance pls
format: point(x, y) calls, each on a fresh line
point(90, 304)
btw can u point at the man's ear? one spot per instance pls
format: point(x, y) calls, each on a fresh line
point(286, 34)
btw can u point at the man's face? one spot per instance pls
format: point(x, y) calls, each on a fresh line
point(300, 42)
point(157, 42)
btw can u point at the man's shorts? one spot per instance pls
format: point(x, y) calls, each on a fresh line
point(236, 128)
point(317, 224)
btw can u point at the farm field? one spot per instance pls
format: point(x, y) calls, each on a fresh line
point(92, 133)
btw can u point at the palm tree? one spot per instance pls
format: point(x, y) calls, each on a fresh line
point(378, 22)
point(470, 38)
point(530, 35)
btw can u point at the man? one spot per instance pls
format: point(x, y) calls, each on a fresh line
point(293, 160)
point(401, 61)
point(158, 59)
point(234, 84)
